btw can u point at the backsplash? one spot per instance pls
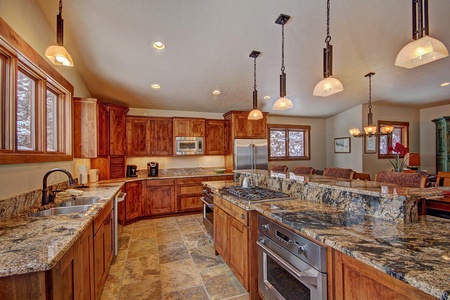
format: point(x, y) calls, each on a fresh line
point(20, 204)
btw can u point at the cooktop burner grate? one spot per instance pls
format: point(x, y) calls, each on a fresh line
point(254, 193)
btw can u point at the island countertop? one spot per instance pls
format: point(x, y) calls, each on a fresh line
point(417, 253)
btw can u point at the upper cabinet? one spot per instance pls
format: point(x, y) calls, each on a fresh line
point(242, 127)
point(91, 128)
point(217, 137)
point(147, 136)
point(117, 129)
point(192, 127)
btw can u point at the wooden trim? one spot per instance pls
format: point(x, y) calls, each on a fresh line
point(21, 158)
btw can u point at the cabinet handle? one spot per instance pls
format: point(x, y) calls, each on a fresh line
point(243, 217)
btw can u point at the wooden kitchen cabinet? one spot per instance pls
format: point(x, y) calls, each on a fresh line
point(134, 200)
point(91, 128)
point(159, 197)
point(189, 191)
point(117, 128)
point(103, 247)
point(161, 137)
point(217, 137)
point(231, 238)
point(192, 127)
point(242, 127)
point(138, 136)
point(353, 279)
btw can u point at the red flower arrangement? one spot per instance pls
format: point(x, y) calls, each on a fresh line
point(398, 150)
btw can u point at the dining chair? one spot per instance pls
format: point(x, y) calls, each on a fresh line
point(338, 173)
point(402, 178)
point(303, 170)
point(443, 179)
point(361, 176)
point(280, 168)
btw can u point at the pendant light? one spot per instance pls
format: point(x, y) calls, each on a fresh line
point(329, 85)
point(57, 54)
point(283, 102)
point(255, 114)
point(424, 49)
point(370, 129)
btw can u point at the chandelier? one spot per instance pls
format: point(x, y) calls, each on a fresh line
point(370, 129)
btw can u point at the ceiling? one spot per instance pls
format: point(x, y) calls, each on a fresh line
point(209, 42)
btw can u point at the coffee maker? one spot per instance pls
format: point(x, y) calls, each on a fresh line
point(131, 171)
point(152, 168)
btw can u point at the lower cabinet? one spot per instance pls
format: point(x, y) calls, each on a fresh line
point(72, 277)
point(231, 238)
point(133, 200)
point(103, 247)
point(189, 192)
point(159, 197)
point(355, 280)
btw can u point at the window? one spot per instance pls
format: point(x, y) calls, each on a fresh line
point(288, 142)
point(35, 105)
point(399, 134)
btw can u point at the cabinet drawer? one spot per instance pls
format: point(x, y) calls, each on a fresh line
point(102, 216)
point(190, 180)
point(241, 215)
point(219, 178)
point(190, 189)
point(160, 182)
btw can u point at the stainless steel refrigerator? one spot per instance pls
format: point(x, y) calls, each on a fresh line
point(250, 154)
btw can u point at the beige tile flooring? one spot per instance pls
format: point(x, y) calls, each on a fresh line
point(170, 258)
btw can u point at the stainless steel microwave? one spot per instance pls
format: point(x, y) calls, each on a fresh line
point(189, 145)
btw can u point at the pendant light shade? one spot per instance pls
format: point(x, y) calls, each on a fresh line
point(283, 102)
point(255, 114)
point(329, 85)
point(421, 52)
point(57, 54)
point(424, 49)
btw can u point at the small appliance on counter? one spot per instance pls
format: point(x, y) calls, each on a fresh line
point(93, 175)
point(131, 171)
point(152, 168)
point(82, 175)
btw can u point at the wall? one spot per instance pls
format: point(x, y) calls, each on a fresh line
point(27, 19)
point(371, 163)
point(428, 136)
point(317, 141)
point(338, 126)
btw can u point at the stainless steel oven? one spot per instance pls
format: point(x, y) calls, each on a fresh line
point(208, 209)
point(289, 266)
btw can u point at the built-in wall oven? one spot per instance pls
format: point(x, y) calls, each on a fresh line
point(290, 266)
point(208, 209)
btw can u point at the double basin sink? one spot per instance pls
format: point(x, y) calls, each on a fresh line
point(74, 205)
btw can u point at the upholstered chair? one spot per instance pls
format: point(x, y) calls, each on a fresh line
point(303, 170)
point(280, 168)
point(402, 178)
point(338, 173)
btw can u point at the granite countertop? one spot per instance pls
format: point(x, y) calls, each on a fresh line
point(33, 244)
point(417, 253)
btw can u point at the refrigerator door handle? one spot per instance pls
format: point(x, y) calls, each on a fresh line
point(253, 158)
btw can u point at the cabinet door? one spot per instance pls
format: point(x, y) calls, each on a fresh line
point(103, 253)
point(238, 254)
point(197, 127)
point(221, 233)
point(216, 137)
point(188, 197)
point(102, 130)
point(117, 131)
point(133, 201)
point(244, 128)
point(181, 127)
point(161, 137)
point(138, 136)
point(159, 200)
point(86, 288)
point(85, 128)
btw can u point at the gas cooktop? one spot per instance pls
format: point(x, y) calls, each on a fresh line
point(254, 194)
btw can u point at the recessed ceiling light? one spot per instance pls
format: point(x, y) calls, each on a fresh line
point(155, 86)
point(266, 97)
point(445, 84)
point(159, 45)
point(216, 92)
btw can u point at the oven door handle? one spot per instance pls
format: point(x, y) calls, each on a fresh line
point(210, 205)
point(302, 276)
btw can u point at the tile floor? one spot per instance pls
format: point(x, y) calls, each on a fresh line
point(170, 258)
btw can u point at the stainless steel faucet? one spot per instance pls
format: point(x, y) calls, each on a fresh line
point(45, 197)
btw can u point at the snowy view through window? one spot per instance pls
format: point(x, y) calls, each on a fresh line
point(26, 88)
point(51, 121)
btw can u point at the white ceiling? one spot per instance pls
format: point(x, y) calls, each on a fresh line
point(209, 42)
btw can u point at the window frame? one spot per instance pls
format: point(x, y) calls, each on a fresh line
point(287, 128)
point(18, 55)
point(405, 136)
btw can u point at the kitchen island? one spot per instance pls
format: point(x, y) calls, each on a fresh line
point(416, 252)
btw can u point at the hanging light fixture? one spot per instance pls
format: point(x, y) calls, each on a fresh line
point(255, 114)
point(283, 102)
point(371, 129)
point(424, 49)
point(329, 85)
point(57, 54)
